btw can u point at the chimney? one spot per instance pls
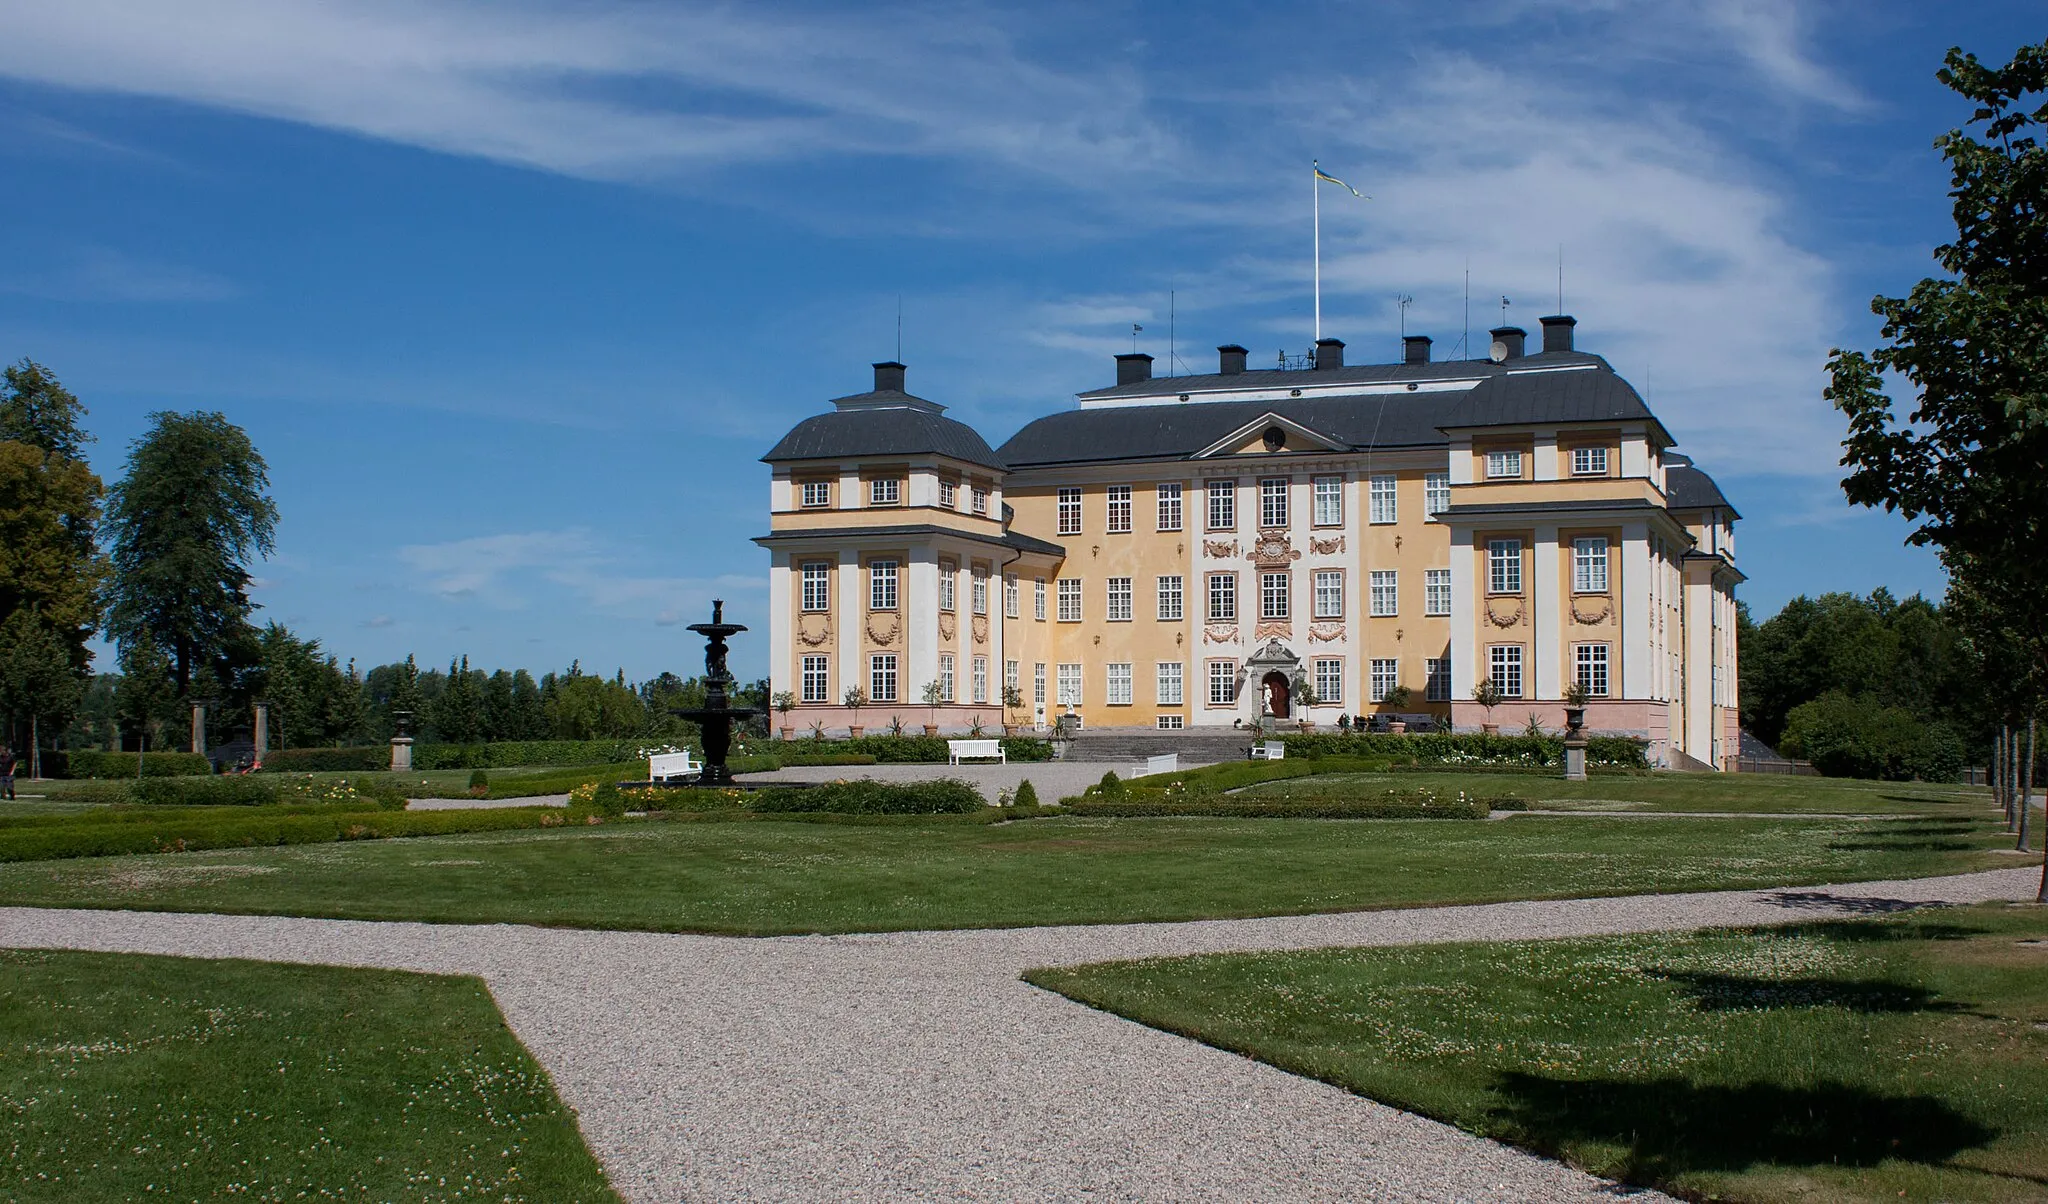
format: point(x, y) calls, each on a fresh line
point(1232, 357)
point(1415, 348)
point(1132, 369)
point(1557, 332)
point(1329, 353)
point(1507, 342)
point(889, 377)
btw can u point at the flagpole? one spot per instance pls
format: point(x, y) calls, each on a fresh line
point(1315, 192)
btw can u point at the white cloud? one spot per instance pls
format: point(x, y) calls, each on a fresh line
point(505, 570)
point(104, 274)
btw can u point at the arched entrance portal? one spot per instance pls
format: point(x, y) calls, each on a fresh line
point(1276, 689)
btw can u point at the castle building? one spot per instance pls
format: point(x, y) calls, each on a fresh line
point(1303, 542)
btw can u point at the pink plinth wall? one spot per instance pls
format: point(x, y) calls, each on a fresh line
point(952, 720)
point(1640, 718)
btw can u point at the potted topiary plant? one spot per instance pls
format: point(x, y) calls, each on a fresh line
point(1013, 700)
point(855, 699)
point(1396, 701)
point(933, 694)
point(1305, 694)
point(1487, 695)
point(784, 703)
point(1574, 708)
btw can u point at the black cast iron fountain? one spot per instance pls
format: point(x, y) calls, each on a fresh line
point(715, 718)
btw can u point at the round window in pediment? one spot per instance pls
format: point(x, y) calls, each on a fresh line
point(1275, 438)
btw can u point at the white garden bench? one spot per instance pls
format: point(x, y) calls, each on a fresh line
point(1163, 763)
point(958, 750)
point(1269, 750)
point(663, 766)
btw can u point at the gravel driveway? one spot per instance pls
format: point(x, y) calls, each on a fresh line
point(917, 1065)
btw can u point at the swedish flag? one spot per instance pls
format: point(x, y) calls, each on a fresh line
point(1328, 178)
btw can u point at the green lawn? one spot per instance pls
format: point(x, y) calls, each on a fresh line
point(778, 876)
point(125, 1077)
point(1745, 793)
point(1866, 1060)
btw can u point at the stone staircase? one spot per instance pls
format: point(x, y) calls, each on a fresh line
point(1122, 746)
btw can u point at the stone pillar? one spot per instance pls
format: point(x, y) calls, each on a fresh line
point(199, 728)
point(262, 735)
point(401, 754)
point(1575, 760)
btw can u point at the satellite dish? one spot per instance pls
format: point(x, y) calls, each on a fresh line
point(1498, 353)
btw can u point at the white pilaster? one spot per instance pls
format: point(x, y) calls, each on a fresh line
point(781, 493)
point(780, 635)
point(1635, 455)
point(1700, 614)
point(1461, 468)
point(851, 611)
point(1635, 588)
point(1545, 468)
point(849, 489)
point(920, 603)
point(1464, 612)
point(1544, 610)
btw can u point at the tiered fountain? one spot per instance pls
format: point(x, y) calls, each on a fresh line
point(716, 716)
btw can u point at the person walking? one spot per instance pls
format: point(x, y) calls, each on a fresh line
point(6, 771)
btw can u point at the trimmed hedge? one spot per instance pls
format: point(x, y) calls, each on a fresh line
point(96, 763)
point(363, 759)
point(218, 830)
point(1391, 805)
point(559, 781)
point(253, 790)
point(901, 750)
point(1466, 748)
point(942, 797)
point(508, 754)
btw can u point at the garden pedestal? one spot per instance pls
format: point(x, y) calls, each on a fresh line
point(401, 754)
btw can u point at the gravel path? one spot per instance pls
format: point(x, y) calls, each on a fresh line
point(918, 1066)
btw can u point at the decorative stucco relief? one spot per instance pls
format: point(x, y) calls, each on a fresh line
point(1512, 607)
point(1326, 632)
point(882, 628)
point(1592, 610)
point(1220, 635)
point(1222, 549)
point(1326, 547)
point(814, 630)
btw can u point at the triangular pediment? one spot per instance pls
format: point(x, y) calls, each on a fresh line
point(1250, 439)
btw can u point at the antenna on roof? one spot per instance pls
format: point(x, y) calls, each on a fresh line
point(1504, 303)
point(1465, 339)
point(1404, 301)
point(1560, 278)
point(1135, 328)
point(899, 328)
point(1170, 315)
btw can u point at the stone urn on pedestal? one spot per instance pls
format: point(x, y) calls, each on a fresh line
point(1575, 733)
point(401, 741)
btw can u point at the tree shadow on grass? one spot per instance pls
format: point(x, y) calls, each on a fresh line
point(1820, 900)
point(1734, 992)
point(1668, 1126)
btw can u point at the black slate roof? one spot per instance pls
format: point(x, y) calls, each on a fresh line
point(1687, 488)
point(1275, 378)
point(1173, 429)
point(1008, 539)
point(883, 424)
point(1592, 393)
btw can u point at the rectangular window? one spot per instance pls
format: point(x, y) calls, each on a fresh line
point(1502, 465)
point(1436, 591)
point(1222, 505)
point(1170, 597)
point(1070, 685)
point(1038, 684)
point(1169, 507)
point(1273, 502)
point(881, 585)
point(1070, 511)
point(977, 589)
point(1038, 598)
point(949, 579)
point(1119, 686)
point(1504, 566)
point(1591, 664)
point(1329, 594)
point(1504, 661)
point(1385, 593)
point(1168, 683)
point(1169, 723)
point(1330, 681)
point(949, 495)
point(1386, 674)
point(1436, 494)
point(945, 677)
point(1273, 595)
point(1589, 461)
point(1119, 509)
point(1329, 495)
point(980, 500)
point(1589, 564)
point(1070, 599)
point(817, 493)
point(1011, 677)
point(1438, 686)
point(1222, 683)
point(979, 681)
point(1119, 600)
point(817, 585)
point(882, 677)
point(1010, 600)
point(817, 679)
point(885, 491)
point(1384, 500)
point(1222, 597)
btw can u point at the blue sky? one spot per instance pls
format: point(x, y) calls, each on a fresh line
point(513, 296)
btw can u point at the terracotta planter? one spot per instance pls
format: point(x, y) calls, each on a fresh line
point(855, 730)
point(931, 729)
point(1009, 729)
point(1397, 727)
point(1308, 725)
point(788, 733)
point(1490, 729)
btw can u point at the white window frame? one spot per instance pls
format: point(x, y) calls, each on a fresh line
point(1222, 593)
point(947, 669)
point(885, 491)
point(1329, 672)
point(1011, 600)
point(949, 584)
point(1117, 688)
point(1222, 504)
point(1069, 506)
point(1069, 683)
point(1589, 461)
point(816, 495)
point(817, 584)
point(1038, 598)
point(1169, 506)
point(1436, 592)
point(1172, 597)
point(1504, 466)
point(978, 679)
point(1436, 686)
point(1167, 683)
point(1038, 683)
point(1169, 723)
point(1119, 599)
point(816, 677)
point(1436, 493)
point(1328, 505)
point(882, 677)
point(1222, 683)
point(1119, 510)
point(1273, 493)
point(1384, 492)
point(1386, 674)
point(1589, 564)
point(977, 588)
point(978, 498)
point(1274, 605)
point(949, 495)
point(1069, 599)
point(1329, 594)
point(882, 582)
point(1591, 665)
point(1504, 663)
point(1013, 676)
point(1503, 566)
point(1385, 586)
